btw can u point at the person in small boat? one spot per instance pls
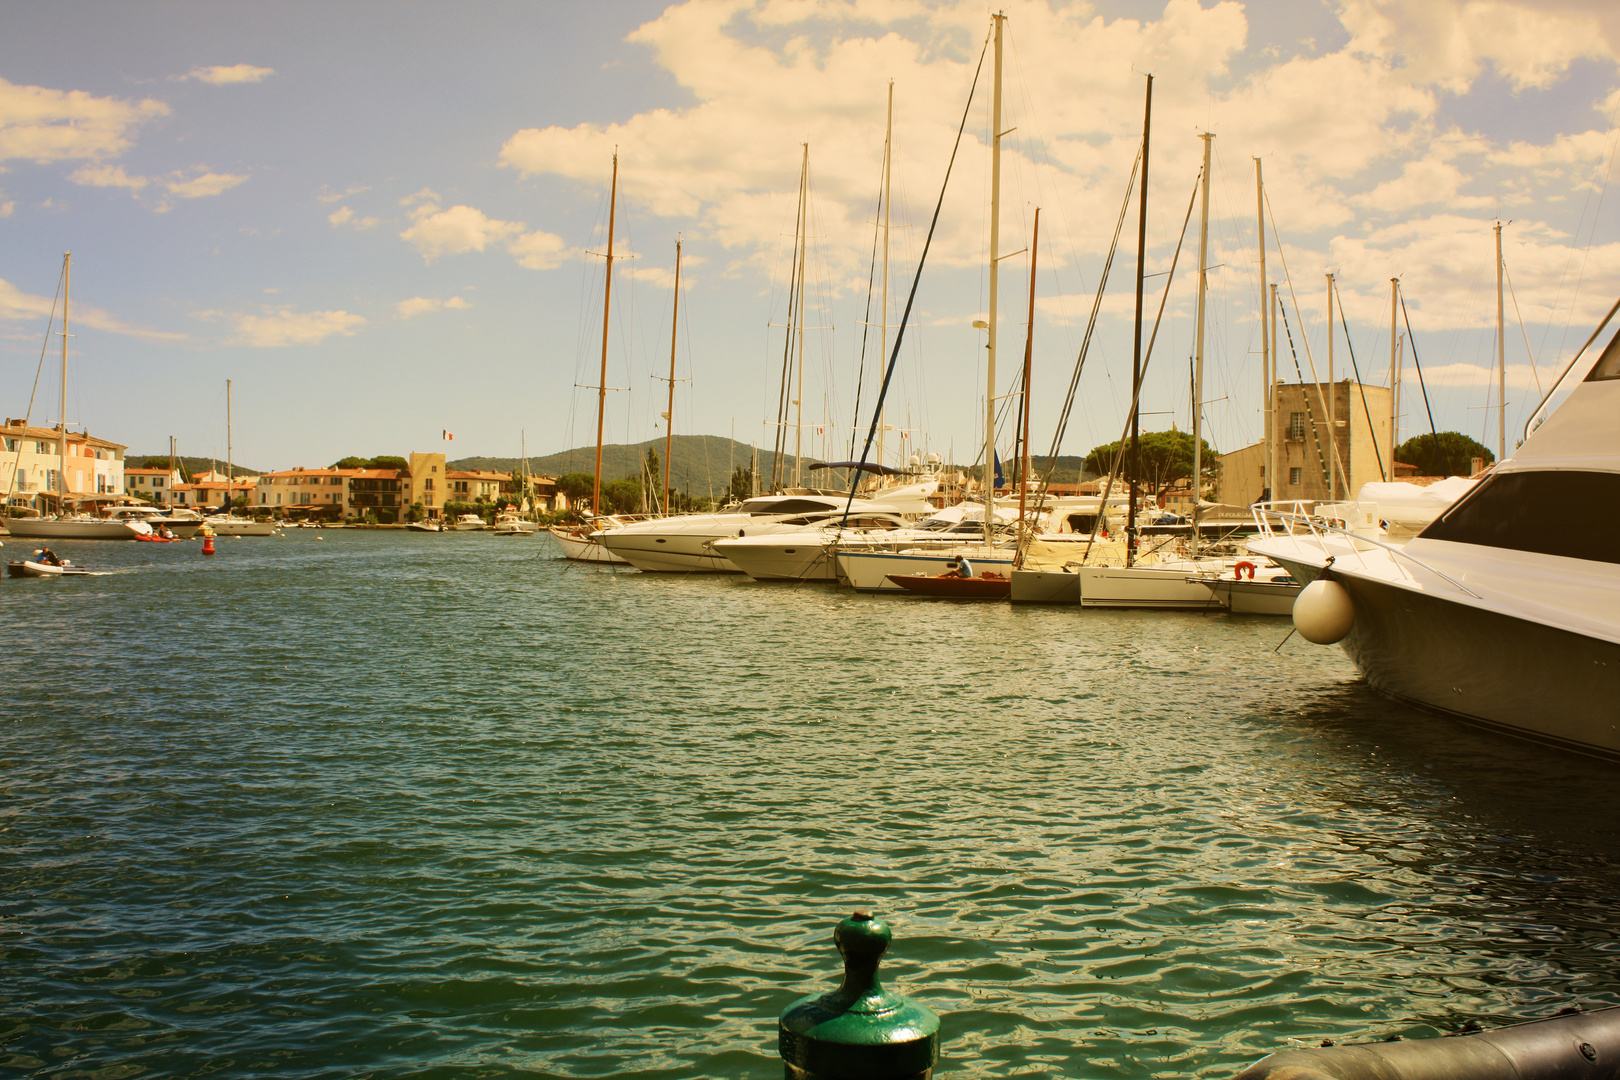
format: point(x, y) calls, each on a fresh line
point(167, 533)
point(964, 568)
point(47, 557)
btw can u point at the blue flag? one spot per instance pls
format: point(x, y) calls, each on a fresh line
point(1001, 481)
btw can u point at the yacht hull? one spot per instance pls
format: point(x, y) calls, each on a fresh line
point(1486, 667)
point(1254, 597)
point(1045, 587)
point(242, 527)
point(1143, 587)
point(670, 553)
point(69, 529)
point(583, 548)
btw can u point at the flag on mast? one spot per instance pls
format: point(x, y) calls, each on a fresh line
point(448, 435)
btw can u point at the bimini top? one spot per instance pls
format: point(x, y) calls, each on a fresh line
point(863, 466)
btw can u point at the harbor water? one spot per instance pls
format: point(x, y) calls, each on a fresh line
point(385, 804)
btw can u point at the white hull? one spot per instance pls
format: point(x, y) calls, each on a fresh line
point(869, 571)
point(1045, 587)
point(1254, 597)
point(241, 527)
point(772, 558)
point(422, 526)
point(583, 548)
point(75, 529)
point(1160, 585)
point(670, 553)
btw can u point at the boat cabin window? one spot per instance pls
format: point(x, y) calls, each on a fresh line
point(1082, 523)
point(759, 507)
point(1608, 365)
point(1521, 511)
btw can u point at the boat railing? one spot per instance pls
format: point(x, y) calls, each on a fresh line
point(1297, 521)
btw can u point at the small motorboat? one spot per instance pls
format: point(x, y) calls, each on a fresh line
point(154, 538)
point(989, 585)
point(423, 526)
point(46, 564)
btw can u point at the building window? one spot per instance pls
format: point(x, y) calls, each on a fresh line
point(1295, 475)
point(1296, 426)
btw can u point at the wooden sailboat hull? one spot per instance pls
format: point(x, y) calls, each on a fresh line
point(987, 587)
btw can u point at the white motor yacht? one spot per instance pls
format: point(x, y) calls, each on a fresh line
point(231, 525)
point(77, 527)
point(684, 544)
point(1505, 609)
point(789, 556)
point(181, 522)
point(470, 523)
point(511, 523)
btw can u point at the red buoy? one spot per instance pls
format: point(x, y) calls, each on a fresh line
point(208, 544)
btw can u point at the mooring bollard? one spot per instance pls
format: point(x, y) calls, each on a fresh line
point(859, 1031)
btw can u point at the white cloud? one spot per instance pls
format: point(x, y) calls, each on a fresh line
point(418, 305)
point(234, 73)
point(327, 195)
point(288, 327)
point(107, 176)
point(7, 206)
point(345, 216)
point(18, 305)
point(539, 250)
point(44, 125)
point(461, 228)
point(201, 185)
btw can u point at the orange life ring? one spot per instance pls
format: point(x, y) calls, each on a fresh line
point(1237, 571)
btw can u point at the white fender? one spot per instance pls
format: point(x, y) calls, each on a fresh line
point(1324, 612)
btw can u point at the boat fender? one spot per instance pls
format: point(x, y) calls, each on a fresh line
point(1237, 571)
point(1324, 612)
point(1578, 1046)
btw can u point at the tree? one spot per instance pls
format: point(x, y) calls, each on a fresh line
point(1454, 458)
point(622, 496)
point(742, 483)
point(382, 461)
point(576, 486)
point(1166, 457)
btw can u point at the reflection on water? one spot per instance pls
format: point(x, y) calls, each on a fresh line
point(383, 804)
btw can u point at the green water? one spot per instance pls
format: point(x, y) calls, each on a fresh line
point(380, 804)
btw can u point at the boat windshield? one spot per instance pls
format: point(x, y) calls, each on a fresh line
point(774, 505)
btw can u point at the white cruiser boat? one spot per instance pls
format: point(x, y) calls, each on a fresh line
point(791, 556)
point(77, 527)
point(470, 523)
point(684, 544)
point(181, 522)
point(578, 543)
point(231, 525)
point(510, 523)
point(1504, 611)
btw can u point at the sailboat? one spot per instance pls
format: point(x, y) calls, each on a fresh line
point(230, 523)
point(65, 526)
point(579, 542)
point(518, 521)
point(1164, 583)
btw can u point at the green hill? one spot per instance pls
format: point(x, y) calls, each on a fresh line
point(700, 465)
point(188, 465)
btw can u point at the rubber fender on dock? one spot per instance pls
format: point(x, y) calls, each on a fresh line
point(1574, 1046)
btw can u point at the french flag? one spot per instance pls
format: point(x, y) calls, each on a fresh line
point(448, 435)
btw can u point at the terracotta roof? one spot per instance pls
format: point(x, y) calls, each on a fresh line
point(15, 429)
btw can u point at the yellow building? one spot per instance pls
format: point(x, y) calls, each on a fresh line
point(428, 484)
point(1331, 439)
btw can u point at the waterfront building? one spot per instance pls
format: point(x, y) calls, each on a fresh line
point(426, 483)
point(470, 485)
point(29, 465)
point(154, 484)
point(211, 489)
point(1331, 439)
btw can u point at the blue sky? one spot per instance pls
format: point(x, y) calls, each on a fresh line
point(376, 220)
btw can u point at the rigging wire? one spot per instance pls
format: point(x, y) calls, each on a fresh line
point(1439, 462)
point(911, 296)
point(38, 371)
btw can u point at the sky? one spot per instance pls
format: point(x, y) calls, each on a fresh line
point(385, 222)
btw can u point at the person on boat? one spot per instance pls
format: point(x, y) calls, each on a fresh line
point(47, 557)
point(964, 568)
point(167, 533)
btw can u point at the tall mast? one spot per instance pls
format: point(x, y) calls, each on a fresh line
point(607, 300)
point(1136, 349)
point(1029, 356)
point(61, 423)
point(1267, 375)
point(170, 486)
point(230, 456)
point(1332, 405)
point(1271, 400)
point(1501, 356)
point(1394, 376)
point(883, 318)
point(669, 417)
point(804, 239)
point(995, 262)
point(1198, 347)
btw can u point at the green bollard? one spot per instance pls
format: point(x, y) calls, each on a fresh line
point(859, 1031)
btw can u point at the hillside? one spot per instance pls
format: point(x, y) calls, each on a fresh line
point(189, 465)
point(702, 463)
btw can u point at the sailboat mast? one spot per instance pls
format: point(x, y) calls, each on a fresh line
point(607, 301)
point(1268, 373)
point(669, 417)
point(883, 318)
point(61, 440)
point(1394, 377)
point(1198, 347)
point(1271, 399)
point(995, 262)
point(1029, 356)
point(804, 239)
point(230, 455)
point(1332, 404)
point(1136, 348)
point(1501, 356)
